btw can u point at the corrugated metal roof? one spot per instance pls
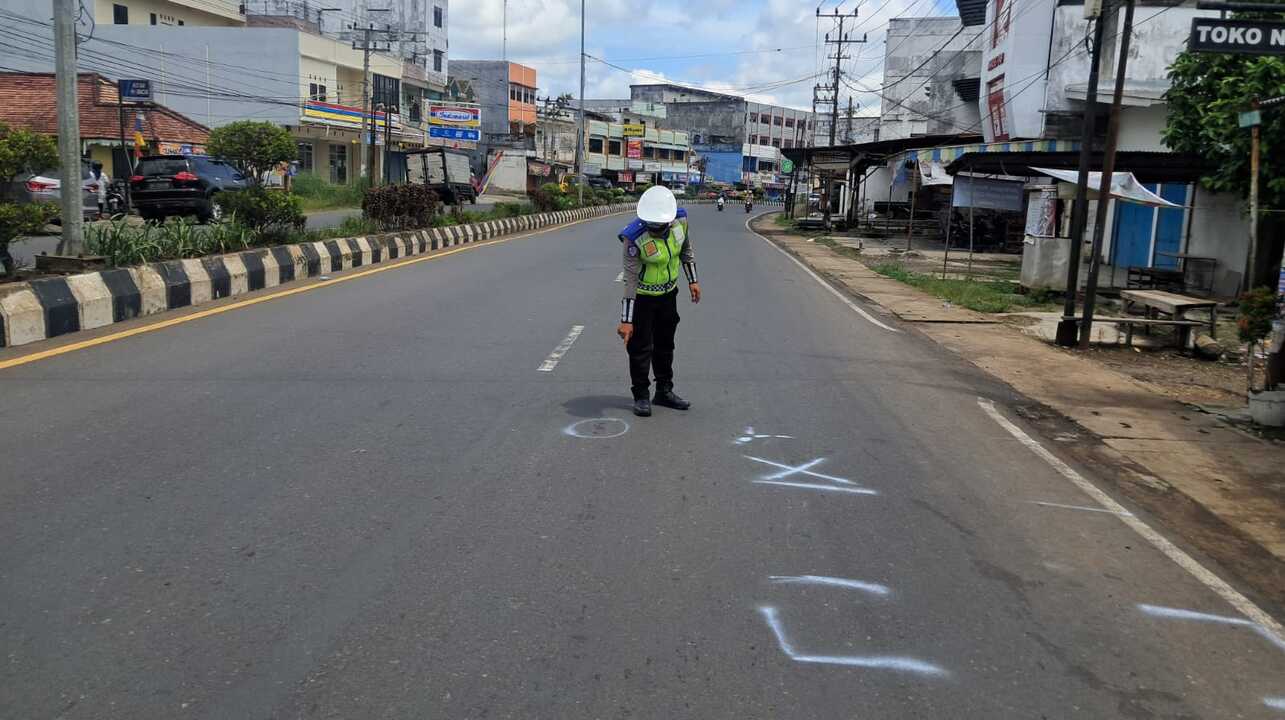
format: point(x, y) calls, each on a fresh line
point(972, 12)
point(1146, 166)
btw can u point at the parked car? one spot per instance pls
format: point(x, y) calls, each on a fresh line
point(168, 185)
point(46, 186)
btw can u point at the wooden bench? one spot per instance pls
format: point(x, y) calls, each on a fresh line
point(1183, 326)
point(1174, 305)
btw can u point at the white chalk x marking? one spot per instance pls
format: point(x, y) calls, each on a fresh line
point(804, 469)
point(750, 436)
point(551, 362)
point(877, 662)
point(1275, 703)
point(1243, 605)
point(818, 486)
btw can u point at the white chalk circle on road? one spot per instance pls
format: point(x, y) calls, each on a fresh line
point(597, 428)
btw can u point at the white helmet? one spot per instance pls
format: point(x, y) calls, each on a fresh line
point(657, 206)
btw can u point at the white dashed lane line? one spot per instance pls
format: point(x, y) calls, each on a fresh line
point(552, 361)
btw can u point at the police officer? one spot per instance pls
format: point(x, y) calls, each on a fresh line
point(649, 311)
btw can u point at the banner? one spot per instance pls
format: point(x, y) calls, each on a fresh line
point(987, 194)
point(634, 149)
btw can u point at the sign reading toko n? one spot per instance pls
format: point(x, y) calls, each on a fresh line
point(1251, 37)
point(135, 90)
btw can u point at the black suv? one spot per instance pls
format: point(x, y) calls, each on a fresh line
point(165, 185)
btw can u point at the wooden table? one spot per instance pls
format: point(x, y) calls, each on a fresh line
point(1172, 304)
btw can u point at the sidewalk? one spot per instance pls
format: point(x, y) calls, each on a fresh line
point(1221, 489)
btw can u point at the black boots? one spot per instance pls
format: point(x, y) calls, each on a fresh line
point(667, 398)
point(642, 407)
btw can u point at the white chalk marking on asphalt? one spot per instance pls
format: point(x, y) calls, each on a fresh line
point(872, 588)
point(620, 277)
point(818, 486)
point(1077, 507)
point(552, 361)
point(598, 432)
point(1243, 605)
point(1275, 703)
point(853, 306)
point(878, 662)
point(1180, 614)
point(788, 470)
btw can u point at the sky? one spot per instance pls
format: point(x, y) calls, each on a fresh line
point(767, 50)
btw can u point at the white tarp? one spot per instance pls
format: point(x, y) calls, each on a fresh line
point(1124, 186)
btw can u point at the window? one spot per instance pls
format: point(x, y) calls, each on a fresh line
point(317, 92)
point(415, 115)
point(338, 164)
point(180, 22)
point(776, 142)
point(595, 145)
point(513, 92)
point(613, 147)
point(789, 122)
point(305, 157)
point(778, 120)
point(649, 152)
point(788, 143)
point(995, 106)
point(753, 139)
point(151, 18)
point(437, 16)
point(438, 55)
point(120, 15)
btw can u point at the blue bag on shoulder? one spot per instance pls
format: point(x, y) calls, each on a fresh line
point(635, 229)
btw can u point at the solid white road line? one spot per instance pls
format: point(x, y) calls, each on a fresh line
point(1271, 628)
point(855, 308)
point(1074, 507)
point(552, 361)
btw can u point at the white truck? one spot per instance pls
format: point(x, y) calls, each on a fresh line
point(447, 173)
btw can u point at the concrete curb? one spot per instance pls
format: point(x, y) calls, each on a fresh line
point(51, 307)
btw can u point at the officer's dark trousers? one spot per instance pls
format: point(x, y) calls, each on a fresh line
point(652, 345)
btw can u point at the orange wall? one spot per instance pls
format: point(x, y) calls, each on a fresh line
point(521, 111)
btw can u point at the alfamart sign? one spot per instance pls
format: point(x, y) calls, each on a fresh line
point(1248, 37)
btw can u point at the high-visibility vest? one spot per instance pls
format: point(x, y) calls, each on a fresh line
point(661, 266)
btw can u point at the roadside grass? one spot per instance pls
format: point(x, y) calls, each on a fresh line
point(987, 296)
point(316, 193)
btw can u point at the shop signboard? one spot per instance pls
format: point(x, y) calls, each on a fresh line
point(633, 130)
point(634, 149)
point(455, 121)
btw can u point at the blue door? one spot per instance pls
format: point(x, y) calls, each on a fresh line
point(1169, 225)
point(1132, 245)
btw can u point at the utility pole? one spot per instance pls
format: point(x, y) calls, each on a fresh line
point(1254, 119)
point(367, 147)
point(504, 32)
point(840, 39)
point(1068, 326)
point(580, 136)
point(1108, 170)
point(847, 135)
point(71, 208)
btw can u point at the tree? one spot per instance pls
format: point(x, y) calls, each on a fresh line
point(253, 147)
point(22, 152)
point(1208, 92)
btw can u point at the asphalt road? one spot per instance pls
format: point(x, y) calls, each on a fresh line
point(365, 501)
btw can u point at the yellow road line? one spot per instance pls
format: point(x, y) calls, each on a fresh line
point(159, 325)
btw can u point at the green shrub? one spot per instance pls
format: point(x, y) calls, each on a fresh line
point(400, 207)
point(263, 211)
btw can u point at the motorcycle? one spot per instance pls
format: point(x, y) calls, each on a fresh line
point(114, 203)
point(749, 204)
point(720, 204)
